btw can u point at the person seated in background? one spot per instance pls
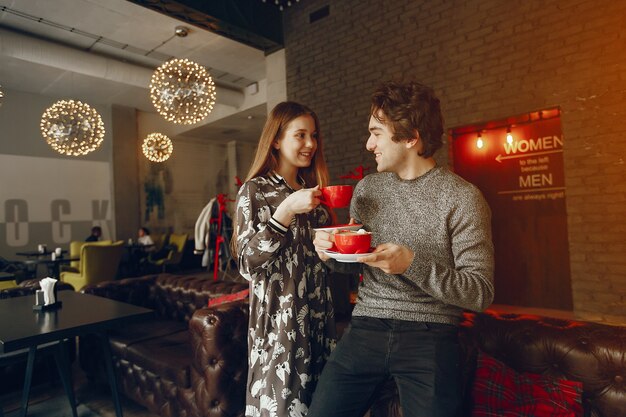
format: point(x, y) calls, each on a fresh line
point(96, 232)
point(139, 256)
point(144, 238)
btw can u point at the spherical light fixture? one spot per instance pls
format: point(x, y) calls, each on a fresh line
point(157, 147)
point(1, 95)
point(72, 127)
point(182, 91)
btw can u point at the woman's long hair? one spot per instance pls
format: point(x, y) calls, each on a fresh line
point(266, 156)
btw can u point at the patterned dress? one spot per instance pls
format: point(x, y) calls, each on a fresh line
point(292, 325)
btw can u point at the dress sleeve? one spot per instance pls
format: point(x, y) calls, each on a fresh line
point(259, 237)
point(322, 216)
point(469, 284)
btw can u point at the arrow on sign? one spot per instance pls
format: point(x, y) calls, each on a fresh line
point(499, 158)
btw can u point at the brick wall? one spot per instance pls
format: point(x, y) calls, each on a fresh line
point(487, 59)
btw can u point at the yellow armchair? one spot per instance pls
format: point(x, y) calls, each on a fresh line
point(174, 254)
point(98, 262)
point(75, 247)
point(7, 284)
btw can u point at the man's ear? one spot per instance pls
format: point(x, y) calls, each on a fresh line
point(412, 143)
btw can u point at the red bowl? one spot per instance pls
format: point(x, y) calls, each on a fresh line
point(352, 242)
point(336, 196)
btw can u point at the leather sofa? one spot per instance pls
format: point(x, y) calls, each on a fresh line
point(189, 360)
point(591, 353)
point(200, 370)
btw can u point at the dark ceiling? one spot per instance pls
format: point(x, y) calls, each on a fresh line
point(252, 22)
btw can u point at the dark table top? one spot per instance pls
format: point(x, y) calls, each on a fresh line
point(138, 246)
point(34, 253)
point(21, 326)
point(49, 261)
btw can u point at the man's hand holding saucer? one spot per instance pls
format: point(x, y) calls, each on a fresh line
point(389, 257)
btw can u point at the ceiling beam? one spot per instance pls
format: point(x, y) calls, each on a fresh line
point(42, 52)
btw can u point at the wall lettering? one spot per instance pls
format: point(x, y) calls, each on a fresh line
point(519, 170)
point(16, 213)
point(61, 231)
point(18, 226)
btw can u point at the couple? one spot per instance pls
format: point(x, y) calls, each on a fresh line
point(433, 258)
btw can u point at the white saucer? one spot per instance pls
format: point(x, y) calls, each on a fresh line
point(344, 257)
point(330, 229)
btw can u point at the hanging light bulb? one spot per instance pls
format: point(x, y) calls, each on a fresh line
point(157, 147)
point(182, 91)
point(479, 141)
point(72, 127)
point(509, 136)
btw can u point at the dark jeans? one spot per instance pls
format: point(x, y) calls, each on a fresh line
point(422, 358)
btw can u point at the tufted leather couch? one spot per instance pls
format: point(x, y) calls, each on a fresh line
point(201, 371)
point(592, 353)
point(188, 361)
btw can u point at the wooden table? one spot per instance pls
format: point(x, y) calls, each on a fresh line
point(53, 266)
point(35, 254)
point(21, 328)
point(36, 258)
point(132, 263)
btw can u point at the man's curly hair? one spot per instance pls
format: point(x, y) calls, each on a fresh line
point(409, 108)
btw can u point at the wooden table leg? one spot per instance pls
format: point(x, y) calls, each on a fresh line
point(108, 358)
point(63, 365)
point(28, 379)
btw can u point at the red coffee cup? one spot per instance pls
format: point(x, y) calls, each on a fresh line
point(348, 241)
point(336, 196)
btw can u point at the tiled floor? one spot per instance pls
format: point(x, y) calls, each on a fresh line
point(95, 396)
point(52, 401)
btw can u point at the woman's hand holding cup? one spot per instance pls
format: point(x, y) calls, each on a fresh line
point(298, 202)
point(304, 200)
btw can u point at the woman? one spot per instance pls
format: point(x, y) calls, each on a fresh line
point(144, 238)
point(292, 329)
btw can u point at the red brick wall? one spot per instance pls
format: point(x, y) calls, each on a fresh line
point(487, 59)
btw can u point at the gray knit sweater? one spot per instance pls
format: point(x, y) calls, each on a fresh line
point(446, 222)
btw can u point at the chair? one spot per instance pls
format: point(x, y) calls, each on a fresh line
point(12, 273)
point(98, 262)
point(7, 284)
point(158, 240)
point(75, 247)
point(175, 250)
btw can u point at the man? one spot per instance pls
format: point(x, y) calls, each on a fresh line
point(96, 232)
point(433, 258)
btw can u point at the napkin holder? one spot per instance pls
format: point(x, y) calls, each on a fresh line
point(49, 307)
point(39, 301)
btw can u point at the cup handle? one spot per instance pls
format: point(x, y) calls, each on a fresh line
point(324, 202)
